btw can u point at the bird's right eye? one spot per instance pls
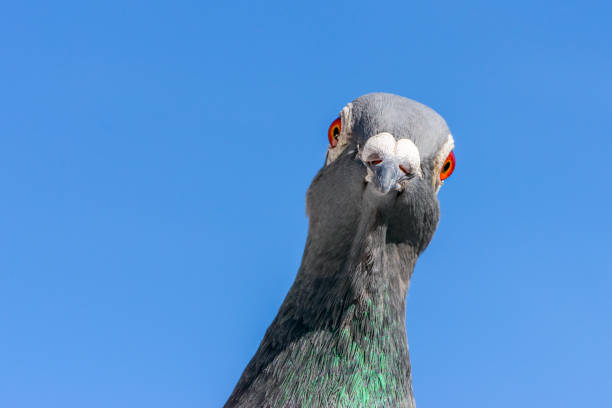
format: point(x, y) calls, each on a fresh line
point(333, 133)
point(448, 166)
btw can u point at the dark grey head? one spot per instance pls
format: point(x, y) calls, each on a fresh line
point(388, 161)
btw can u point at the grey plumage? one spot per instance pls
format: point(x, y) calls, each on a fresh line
point(339, 338)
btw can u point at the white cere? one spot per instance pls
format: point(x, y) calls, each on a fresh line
point(403, 152)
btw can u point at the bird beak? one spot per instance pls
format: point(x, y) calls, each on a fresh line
point(386, 176)
point(389, 161)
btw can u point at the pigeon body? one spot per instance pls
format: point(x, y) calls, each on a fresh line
point(339, 339)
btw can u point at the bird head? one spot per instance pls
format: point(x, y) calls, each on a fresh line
point(388, 156)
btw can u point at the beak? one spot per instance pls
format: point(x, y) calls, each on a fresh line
point(386, 176)
point(389, 161)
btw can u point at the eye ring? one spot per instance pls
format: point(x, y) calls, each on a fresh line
point(448, 167)
point(333, 133)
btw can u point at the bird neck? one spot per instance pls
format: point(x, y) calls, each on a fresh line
point(339, 338)
point(369, 270)
point(354, 346)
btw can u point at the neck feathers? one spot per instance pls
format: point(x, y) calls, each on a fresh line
point(339, 338)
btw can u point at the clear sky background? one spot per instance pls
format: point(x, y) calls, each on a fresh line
point(154, 159)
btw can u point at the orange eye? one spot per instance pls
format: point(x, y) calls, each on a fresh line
point(334, 132)
point(448, 166)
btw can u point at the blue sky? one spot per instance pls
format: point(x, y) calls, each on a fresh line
point(154, 160)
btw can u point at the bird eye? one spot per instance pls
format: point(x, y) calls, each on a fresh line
point(448, 166)
point(334, 132)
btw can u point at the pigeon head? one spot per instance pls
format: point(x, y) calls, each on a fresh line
point(388, 156)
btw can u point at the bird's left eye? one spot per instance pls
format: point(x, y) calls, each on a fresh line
point(333, 134)
point(448, 166)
